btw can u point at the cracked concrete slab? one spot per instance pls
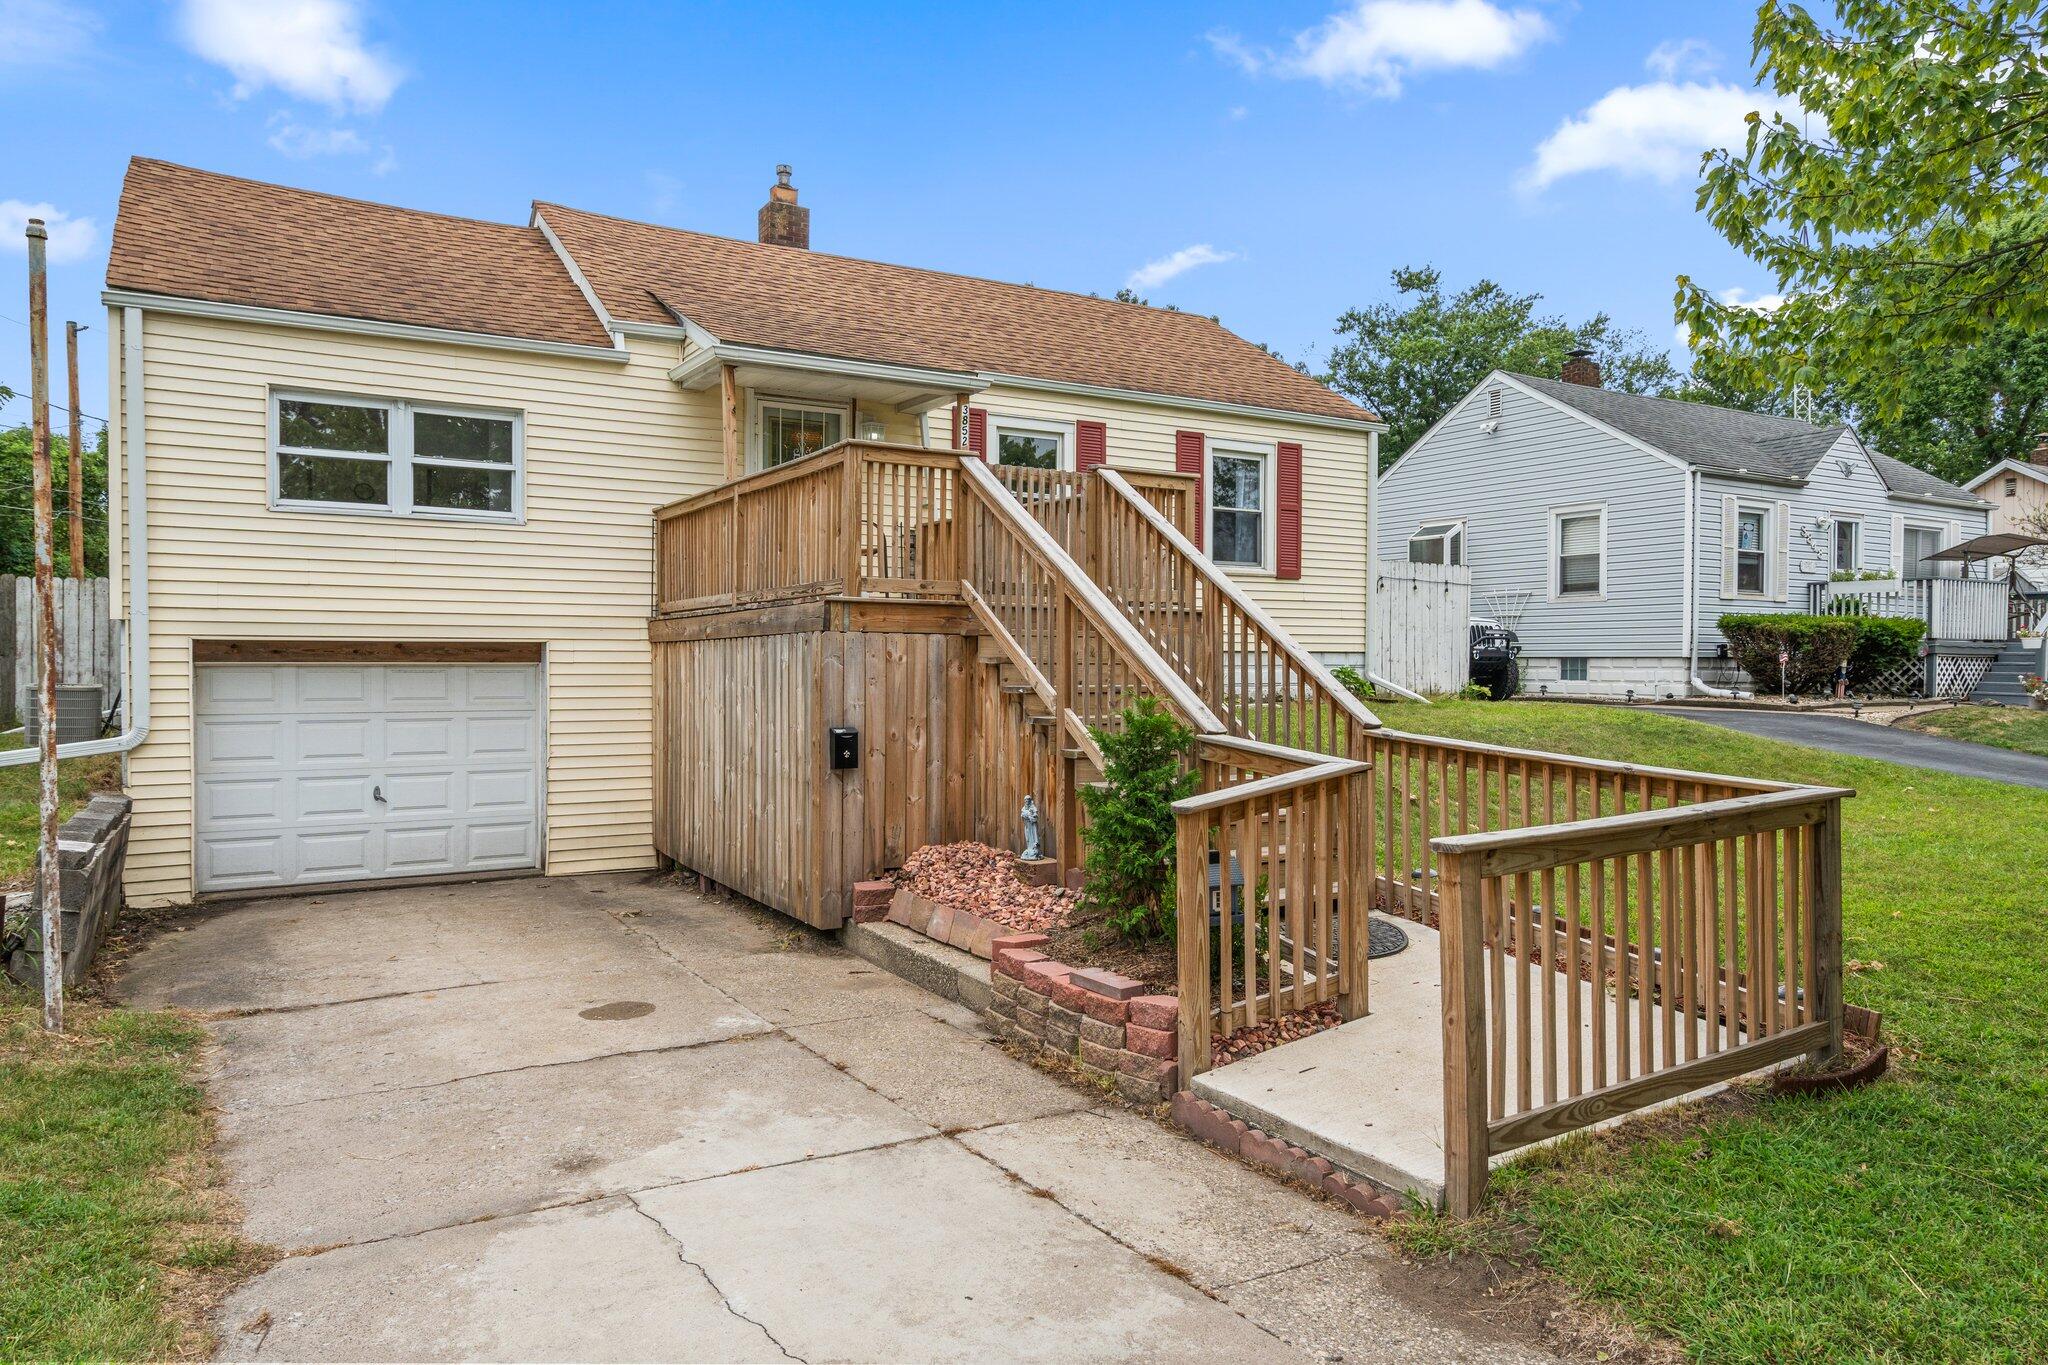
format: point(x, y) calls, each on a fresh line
point(599, 1281)
point(1169, 1197)
point(924, 1251)
point(410, 1160)
point(948, 1075)
point(438, 1036)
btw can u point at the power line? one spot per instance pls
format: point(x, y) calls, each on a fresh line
point(59, 407)
point(17, 507)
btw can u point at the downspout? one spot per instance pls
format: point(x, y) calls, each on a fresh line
point(135, 639)
point(1692, 595)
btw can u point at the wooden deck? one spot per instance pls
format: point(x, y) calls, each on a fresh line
point(978, 627)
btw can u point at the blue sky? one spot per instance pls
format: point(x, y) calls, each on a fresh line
point(1269, 164)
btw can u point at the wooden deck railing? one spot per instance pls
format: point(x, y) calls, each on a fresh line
point(1253, 674)
point(858, 517)
point(1271, 892)
point(1953, 608)
point(1597, 966)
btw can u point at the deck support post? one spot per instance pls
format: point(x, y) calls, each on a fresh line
point(1354, 894)
point(1066, 803)
point(1462, 932)
point(1191, 912)
point(1824, 882)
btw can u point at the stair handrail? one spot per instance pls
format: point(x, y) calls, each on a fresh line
point(1088, 598)
point(1220, 584)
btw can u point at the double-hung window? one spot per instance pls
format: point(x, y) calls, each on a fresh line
point(1437, 542)
point(788, 429)
point(1848, 544)
point(1751, 527)
point(1237, 517)
point(1579, 542)
point(1921, 542)
point(394, 457)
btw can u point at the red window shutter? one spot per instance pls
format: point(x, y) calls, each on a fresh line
point(977, 431)
point(1091, 445)
point(1187, 458)
point(1287, 544)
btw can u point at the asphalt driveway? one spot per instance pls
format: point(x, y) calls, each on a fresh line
point(1845, 735)
point(603, 1118)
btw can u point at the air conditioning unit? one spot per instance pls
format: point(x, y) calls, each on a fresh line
point(80, 709)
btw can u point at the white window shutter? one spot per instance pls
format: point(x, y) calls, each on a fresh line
point(1781, 583)
point(1898, 545)
point(1728, 546)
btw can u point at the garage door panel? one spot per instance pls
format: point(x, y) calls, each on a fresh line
point(291, 760)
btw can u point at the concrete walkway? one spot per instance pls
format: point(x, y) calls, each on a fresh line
point(1844, 735)
point(604, 1119)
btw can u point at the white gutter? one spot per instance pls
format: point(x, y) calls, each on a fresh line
point(135, 639)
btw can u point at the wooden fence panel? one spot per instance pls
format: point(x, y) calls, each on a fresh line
point(86, 646)
point(1419, 635)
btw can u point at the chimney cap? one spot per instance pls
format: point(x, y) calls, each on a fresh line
point(1580, 353)
point(1580, 368)
point(782, 173)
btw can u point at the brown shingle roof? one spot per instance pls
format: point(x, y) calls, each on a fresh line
point(791, 299)
point(198, 235)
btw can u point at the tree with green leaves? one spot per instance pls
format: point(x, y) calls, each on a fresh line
point(1129, 868)
point(17, 514)
point(1411, 358)
point(1904, 215)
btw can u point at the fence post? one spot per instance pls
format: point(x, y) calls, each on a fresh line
point(1825, 877)
point(1191, 937)
point(849, 523)
point(1354, 882)
point(1066, 804)
point(1461, 940)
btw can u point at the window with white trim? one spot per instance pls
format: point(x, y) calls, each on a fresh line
point(1572, 668)
point(1029, 445)
point(1578, 539)
point(788, 429)
point(1920, 543)
point(1437, 542)
point(1848, 544)
point(1237, 507)
point(1752, 529)
point(395, 457)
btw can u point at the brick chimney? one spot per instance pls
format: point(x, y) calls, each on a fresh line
point(1580, 368)
point(2039, 454)
point(782, 221)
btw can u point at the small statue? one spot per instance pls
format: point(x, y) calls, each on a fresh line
point(1031, 853)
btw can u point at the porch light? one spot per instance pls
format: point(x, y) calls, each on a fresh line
point(871, 429)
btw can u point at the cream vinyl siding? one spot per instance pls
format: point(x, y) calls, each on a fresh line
point(605, 444)
point(1325, 608)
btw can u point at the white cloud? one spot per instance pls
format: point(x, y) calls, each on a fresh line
point(1377, 44)
point(71, 239)
point(1735, 296)
point(1680, 57)
point(44, 32)
point(1158, 272)
point(1656, 131)
point(297, 140)
point(310, 48)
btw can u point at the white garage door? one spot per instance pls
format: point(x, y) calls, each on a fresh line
point(314, 773)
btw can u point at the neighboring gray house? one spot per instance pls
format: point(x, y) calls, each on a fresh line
point(1614, 530)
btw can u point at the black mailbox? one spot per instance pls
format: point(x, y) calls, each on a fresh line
point(845, 747)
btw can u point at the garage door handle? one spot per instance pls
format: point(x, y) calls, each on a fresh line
point(377, 795)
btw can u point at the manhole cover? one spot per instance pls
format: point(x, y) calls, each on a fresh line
point(618, 1009)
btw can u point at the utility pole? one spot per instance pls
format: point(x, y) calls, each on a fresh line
point(47, 884)
point(75, 475)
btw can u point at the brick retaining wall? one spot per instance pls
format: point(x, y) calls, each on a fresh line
point(1100, 1021)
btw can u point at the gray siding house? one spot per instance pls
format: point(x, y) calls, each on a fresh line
point(1612, 531)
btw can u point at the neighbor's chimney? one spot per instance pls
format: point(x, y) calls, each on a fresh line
point(1580, 368)
point(2039, 454)
point(782, 221)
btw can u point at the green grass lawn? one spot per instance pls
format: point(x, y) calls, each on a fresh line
point(2006, 726)
point(77, 779)
point(113, 1236)
point(1904, 1221)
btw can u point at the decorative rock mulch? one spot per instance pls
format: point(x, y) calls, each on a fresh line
point(1270, 1033)
point(984, 881)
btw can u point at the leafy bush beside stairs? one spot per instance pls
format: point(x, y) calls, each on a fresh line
point(1129, 867)
point(1818, 645)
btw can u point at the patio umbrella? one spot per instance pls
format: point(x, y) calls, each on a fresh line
point(2009, 544)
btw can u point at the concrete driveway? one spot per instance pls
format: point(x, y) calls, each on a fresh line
point(603, 1118)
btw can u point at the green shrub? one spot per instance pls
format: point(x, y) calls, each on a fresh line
point(1475, 691)
point(1883, 643)
point(1129, 867)
point(1353, 681)
point(1818, 646)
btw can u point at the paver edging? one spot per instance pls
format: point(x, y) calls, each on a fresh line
point(1226, 1133)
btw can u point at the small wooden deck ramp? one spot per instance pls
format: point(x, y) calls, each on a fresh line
point(1606, 936)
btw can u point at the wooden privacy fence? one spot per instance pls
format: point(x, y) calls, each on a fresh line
point(1419, 635)
point(1611, 935)
point(1276, 852)
point(87, 648)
